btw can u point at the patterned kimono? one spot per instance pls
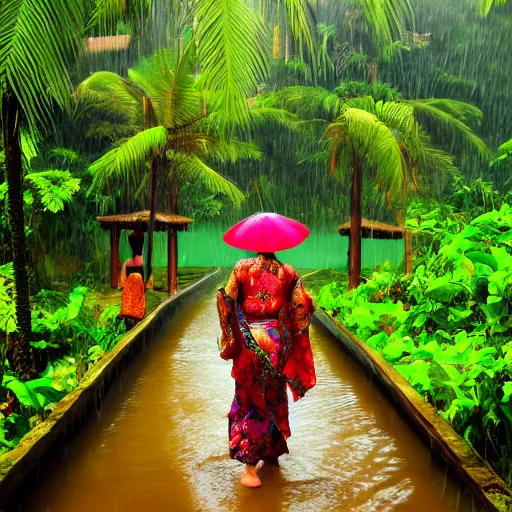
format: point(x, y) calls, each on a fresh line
point(264, 315)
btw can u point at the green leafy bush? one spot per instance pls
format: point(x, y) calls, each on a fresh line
point(68, 338)
point(447, 328)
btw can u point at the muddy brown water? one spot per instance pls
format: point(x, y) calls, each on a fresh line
point(160, 441)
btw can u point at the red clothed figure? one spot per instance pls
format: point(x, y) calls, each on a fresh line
point(265, 315)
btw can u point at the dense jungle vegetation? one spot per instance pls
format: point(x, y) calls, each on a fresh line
point(392, 110)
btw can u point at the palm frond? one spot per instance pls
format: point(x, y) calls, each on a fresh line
point(465, 112)
point(109, 12)
point(126, 163)
point(305, 102)
point(301, 20)
point(387, 19)
point(28, 148)
point(263, 117)
point(121, 93)
point(362, 102)
point(437, 160)
point(155, 76)
point(38, 40)
point(194, 168)
point(183, 101)
point(232, 151)
point(426, 112)
point(233, 50)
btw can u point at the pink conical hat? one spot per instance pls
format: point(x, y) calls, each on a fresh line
point(266, 232)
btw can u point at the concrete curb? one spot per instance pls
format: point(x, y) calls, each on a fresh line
point(20, 464)
point(488, 489)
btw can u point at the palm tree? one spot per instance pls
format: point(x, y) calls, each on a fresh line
point(387, 139)
point(415, 125)
point(33, 76)
point(177, 137)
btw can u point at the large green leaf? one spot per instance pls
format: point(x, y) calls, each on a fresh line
point(233, 51)
point(395, 351)
point(26, 396)
point(417, 374)
point(45, 390)
point(443, 289)
point(507, 391)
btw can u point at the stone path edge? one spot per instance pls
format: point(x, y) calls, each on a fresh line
point(487, 488)
point(18, 465)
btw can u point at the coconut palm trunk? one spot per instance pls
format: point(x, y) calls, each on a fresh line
point(354, 244)
point(149, 122)
point(21, 357)
point(172, 253)
point(373, 73)
point(155, 165)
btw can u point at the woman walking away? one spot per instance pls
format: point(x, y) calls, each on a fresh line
point(264, 315)
point(131, 280)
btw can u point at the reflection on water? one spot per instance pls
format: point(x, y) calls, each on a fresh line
point(160, 442)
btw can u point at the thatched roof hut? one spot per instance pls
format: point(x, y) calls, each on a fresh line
point(375, 229)
point(139, 221)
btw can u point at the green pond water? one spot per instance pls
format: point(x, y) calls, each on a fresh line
point(202, 246)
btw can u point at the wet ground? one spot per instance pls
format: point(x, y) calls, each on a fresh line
point(160, 441)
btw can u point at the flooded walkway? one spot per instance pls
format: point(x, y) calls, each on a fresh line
point(160, 441)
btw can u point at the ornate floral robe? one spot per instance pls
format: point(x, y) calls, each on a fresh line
point(264, 315)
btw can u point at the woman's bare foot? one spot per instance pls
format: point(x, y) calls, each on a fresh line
point(249, 477)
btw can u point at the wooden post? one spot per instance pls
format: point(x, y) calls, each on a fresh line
point(408, 253)
point(400, 220)
point(115, 263)
point(354, 244)
point(172, 261)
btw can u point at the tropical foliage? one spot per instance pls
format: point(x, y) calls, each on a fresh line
point(446, 328)
point(243, 107)
point(69, 337)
